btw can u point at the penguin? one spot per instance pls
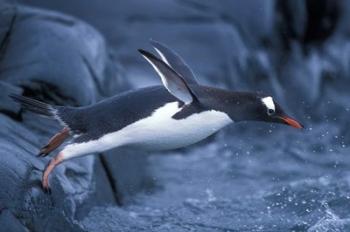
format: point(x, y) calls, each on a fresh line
point(176, 114)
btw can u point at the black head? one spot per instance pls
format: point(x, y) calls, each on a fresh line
point(249, 106)
point(272, 112)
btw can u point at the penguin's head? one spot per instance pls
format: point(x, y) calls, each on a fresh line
point(259, 107)
point(269, 111)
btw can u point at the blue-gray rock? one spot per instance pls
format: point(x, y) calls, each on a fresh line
point(58, 59)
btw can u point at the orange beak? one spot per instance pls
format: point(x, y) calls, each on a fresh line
point(291, 122)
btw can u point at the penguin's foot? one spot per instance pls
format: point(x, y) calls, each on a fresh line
point(52, 164)
point(54, 142)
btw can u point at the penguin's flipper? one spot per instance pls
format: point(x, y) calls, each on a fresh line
point(175, 61)
point(172, 81)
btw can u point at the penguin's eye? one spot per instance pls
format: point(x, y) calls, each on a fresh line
point(270, 111)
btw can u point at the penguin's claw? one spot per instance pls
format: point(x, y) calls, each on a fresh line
point(40, 154)
point(43, 151)
point(47, 190)
point(51, 165)
point(45, 185)
point(54, 142)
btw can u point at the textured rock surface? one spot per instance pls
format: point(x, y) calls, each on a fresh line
point(251, 177)
point(61, 60)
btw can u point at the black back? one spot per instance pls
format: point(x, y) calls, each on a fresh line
point(114, 113)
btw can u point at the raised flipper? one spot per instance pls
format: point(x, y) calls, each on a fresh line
point(175, 61)
point(172, 81)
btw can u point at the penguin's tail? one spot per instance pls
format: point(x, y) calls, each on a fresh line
point(35, 105)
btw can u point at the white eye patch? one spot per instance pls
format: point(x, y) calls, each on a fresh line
point(268, 102)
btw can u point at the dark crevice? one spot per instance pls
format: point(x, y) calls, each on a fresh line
point(11, 114)
point(7, 36)
point(47, 92)
point(321, 20)
point(111, 180)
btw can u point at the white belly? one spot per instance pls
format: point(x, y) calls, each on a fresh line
point(159, 131)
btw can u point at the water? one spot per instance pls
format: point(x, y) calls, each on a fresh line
point(251, 181)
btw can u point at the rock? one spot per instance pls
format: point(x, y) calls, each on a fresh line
point(60, 60)
point(77, 74)
point(127, 172)
point(10, 223)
